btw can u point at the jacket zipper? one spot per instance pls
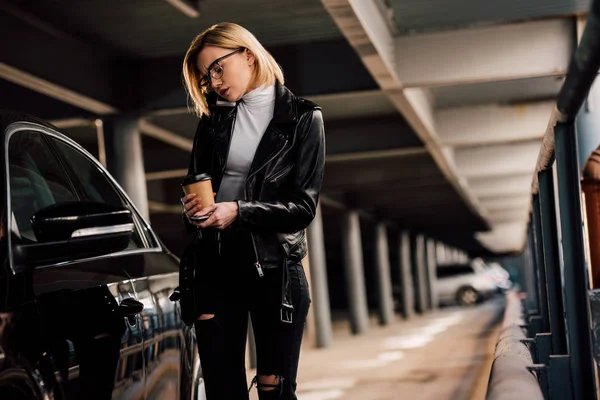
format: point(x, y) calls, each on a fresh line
point(281, 173)
point(257, 264)
point(269, 160)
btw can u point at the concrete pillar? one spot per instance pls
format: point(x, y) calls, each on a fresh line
point(319, 286)
point(432, 267)
point(124, 158)
point(384, 279)
point(440, 253)
point(422, 286)
point(455, 255)
point(449, 254)
point(355, 278)
point(408, 294)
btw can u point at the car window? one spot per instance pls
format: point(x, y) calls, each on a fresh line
point(93, 184)
point(36, 180)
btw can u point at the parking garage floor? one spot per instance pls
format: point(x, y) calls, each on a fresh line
point(446, 354)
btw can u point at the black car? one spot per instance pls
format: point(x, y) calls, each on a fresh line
point(88, 292)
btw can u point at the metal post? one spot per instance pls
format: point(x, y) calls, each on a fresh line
point(539, 265)
point(384, 284)
point(408, 294)
point(531, 276)
point(419, 259)
point(432, 274)
point(355, 279)
point(124, 158)
point(577, 309)
point(319, 285)
point(551, 261)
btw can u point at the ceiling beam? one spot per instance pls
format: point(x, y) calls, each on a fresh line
point(494, 53)
point(185, 7)
point(498, 160)
point(374, 155)
point(72, 123)
point(490, 124)
point(505, 237)
point(165, 135)
point(517, 215)
point(490, 187)
point(53, 90)
point(365, 27)
point(506, 203)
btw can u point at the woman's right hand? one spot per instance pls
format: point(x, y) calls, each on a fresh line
point(191, 204)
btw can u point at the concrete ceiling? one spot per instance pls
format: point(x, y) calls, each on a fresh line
point(498, 92)
point(477, 82)
point(154, 28)
point(418, 16)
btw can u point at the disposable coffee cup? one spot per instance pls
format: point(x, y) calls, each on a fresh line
point(201, 185)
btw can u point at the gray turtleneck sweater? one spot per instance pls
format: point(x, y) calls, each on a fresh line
point(254, 112)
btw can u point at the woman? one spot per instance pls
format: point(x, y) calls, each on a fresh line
point(265, 151)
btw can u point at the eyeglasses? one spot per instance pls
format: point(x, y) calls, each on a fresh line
point(215, 70)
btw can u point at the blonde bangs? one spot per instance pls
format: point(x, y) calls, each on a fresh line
point(228, 36)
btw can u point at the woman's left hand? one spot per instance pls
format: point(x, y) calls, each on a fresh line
point(223, 215)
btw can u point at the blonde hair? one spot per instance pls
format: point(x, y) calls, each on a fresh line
point(228, 36)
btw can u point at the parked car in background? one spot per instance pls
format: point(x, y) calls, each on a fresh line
point(85, 284)
point(465, 283)
point(500, 276)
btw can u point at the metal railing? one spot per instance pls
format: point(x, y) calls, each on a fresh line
point(558, 319)
point(512, 358)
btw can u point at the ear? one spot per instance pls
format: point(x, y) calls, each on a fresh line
point(250, 59)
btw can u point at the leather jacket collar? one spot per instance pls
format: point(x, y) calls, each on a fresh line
point(285, 107)
point(278, 131)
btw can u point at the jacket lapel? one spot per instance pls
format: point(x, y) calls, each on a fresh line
point(221, 129)
point(279, 130)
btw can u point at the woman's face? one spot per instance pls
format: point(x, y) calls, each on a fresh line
point(238, 71)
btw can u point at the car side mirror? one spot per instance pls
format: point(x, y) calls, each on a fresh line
point(175, 295)
point(75, 230)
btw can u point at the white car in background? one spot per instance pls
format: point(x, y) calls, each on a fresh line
point(466, 283)
point(500, 275)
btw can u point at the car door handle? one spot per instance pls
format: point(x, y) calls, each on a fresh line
point(129, 307)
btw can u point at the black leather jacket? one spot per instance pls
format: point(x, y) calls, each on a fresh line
point(284, 181)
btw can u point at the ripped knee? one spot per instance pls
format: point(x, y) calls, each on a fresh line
point(204, 317)
point(268, 383)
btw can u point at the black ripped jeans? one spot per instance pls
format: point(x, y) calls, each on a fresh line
point(240, 291)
